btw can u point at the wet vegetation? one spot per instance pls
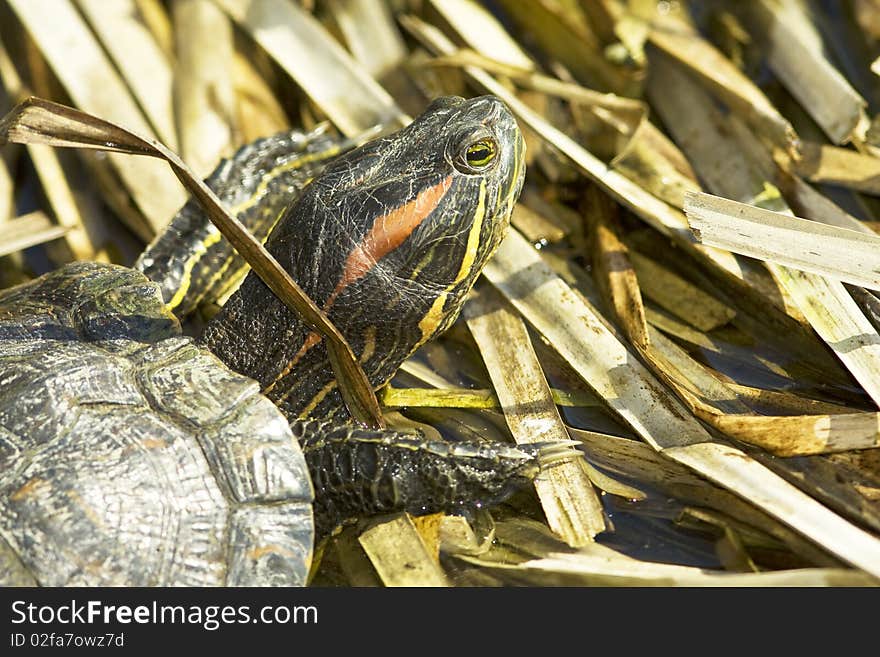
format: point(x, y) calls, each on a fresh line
point(687, 291)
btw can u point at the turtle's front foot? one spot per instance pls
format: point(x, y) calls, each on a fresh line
point(358, 472)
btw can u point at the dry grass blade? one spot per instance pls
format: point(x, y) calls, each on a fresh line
point(612, 486)
point(63, 202)
point(797, 435)
point(535, 226)
point(465, 398)
point(695, 123)
point(607, 18)
point(794, 53)
point(647, 161)
point(458, 536)
point(639, 399)
point(370, 33)
point(204, 98)
point(615, 275)
point(570, 43)
point(721, 75)
point(353, 561)
point(7, 201)
point(528, 556)
point(807, 202)
point(804, 199)
point(839, 321)
point(637, 461)
point(76, 241)
point(731, 468)
point(731, 544)
point(703, 392)
point(90, 80)
point(815, 429)
point(679, 296)
point(28, 230)
point(838, 253)
point(604, 569)
point(786, 403)
point(341, 88)
point(429, 397)
point(823, 163)
point(480, 29)
point(578, 333)
point(40, 121)
point(847, 482)
point(572, 508)
point(259, 113)
point(399, 554)
point(138, 57)
point(623, 113)
point(155, 17)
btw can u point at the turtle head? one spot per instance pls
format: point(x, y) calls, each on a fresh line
point(411, 219)
point(387, 240)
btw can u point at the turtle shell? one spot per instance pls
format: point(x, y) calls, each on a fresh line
point(131, 456)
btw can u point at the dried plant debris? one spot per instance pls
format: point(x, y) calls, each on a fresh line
point(567, 496)
point(686, 299)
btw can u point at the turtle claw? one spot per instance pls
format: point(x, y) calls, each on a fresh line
point(552, 453)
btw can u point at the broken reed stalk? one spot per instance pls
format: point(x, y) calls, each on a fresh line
point(839, 253)
point(572, 507)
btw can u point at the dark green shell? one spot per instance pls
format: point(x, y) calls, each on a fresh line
point(131, 456)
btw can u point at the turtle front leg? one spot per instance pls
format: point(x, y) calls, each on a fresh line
point(360, 472)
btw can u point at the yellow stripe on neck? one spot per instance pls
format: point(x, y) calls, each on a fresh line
point(267, 179)
point(317, 399)
point(212, 238)
point(200, 249)
point(434, 316)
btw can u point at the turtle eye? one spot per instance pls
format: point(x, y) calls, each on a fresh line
point(479, 155)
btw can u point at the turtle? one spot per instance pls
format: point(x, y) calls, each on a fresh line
point(132, 454)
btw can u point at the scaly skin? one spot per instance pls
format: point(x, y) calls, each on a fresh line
point(388, 239)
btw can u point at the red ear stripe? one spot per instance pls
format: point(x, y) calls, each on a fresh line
point(388, 232)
